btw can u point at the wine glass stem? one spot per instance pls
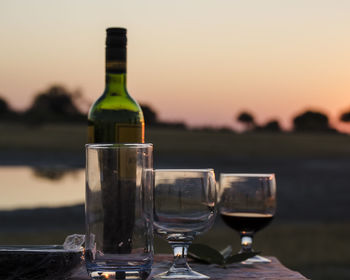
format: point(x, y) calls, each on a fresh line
point(246, 243)
point(180, 255)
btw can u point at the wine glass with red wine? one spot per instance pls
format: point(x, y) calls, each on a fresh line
point(247, 205)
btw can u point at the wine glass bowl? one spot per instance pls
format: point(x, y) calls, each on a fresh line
point(247, 205)
point(184, 206)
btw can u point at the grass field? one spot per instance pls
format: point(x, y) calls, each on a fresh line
point(311, 231)
point(71, 138)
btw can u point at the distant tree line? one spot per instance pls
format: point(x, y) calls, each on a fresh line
point(152, 119)
point(308, 121)
point(56, 104)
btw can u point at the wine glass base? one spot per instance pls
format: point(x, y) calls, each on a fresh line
point(180, 274)
point(256, 259)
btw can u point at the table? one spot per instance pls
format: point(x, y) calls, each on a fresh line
point(271, 271)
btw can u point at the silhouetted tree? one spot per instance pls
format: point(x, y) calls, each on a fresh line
point(175, 124)
point(151, 119)
point(312, 121)
point(149, 115)
point(4, 108)
point(6, 113)
point(345, 117)
point(247, 119)
point(54, 105)
point(271, 126)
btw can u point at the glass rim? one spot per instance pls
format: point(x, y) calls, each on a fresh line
point(117, 145)
point(183, 170)
point(253, 175)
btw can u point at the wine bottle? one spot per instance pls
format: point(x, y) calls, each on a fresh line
point(115, 117)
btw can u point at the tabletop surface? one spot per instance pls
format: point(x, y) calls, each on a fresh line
point(271, 271)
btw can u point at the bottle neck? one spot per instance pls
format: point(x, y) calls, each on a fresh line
point(116, 71)
point(116, 84)
point(116, 60)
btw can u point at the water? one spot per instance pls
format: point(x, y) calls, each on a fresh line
point(40, 206)
point(24, 187)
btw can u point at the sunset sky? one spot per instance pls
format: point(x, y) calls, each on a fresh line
point(197, 61)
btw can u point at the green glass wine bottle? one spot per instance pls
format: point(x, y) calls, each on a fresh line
point(115, 117)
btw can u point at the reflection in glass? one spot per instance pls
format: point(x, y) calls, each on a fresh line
point(184, 202)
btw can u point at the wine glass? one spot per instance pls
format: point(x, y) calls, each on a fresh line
point(184, 206)
point(247, 205)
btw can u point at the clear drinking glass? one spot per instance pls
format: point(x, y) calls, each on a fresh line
point(119, 195)
point(247, 204)
point(184, 206)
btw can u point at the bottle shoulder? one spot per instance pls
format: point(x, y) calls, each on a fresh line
point(115, 101)
point(116, 107)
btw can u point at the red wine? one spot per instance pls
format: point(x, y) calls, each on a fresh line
point(249, 222)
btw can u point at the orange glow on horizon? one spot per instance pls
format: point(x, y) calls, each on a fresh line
point(271, 59)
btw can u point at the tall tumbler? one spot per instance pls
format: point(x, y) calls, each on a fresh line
point(118, 208)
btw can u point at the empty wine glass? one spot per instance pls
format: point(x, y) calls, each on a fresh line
point(184, 206)
point(247, 204)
